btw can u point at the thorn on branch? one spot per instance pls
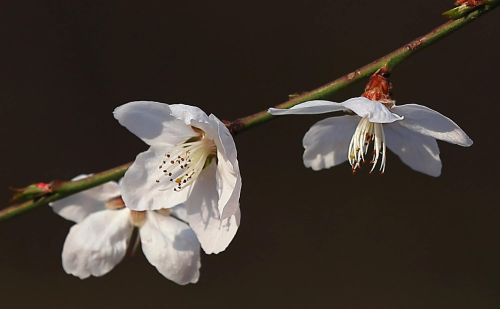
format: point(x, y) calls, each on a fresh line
point(415, 44)
point(353, 75)
point(295, 95)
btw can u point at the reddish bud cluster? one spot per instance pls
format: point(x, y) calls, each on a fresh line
point(45, 187)
point(379, 88)
point(471, 3)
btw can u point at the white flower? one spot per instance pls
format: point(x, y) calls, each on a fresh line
point(410, 131)
point(191, 160)
point(100, 238)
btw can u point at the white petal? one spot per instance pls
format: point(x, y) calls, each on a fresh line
point(309, 107)
point(203, 215)
point(190, 115)
point(78, 206)
point(98, 243)
point(229, 184)
point(373, 110)
point(217, 131)
point(326, 143)
point(179, 212)
point(223, 139)
point(426, 121)
point(139, 188)
point(228, 175)
point(155, 123)
point(171, 246)
point(418, 151)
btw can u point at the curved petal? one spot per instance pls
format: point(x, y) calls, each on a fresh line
point(309, 107)
point(189, 114)
point(223, 139)
point(228, 175)
point(373, 110)
point(203, 214)
point(78, 206)
point(94, 246)
point(424, 120)
point(155, 123)
point(229, 184)
point(140, 189)
point(327, 142)
point(171, 246)
point(418, 151)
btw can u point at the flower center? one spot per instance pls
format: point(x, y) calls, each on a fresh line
point(183, 164)
point(366, 133)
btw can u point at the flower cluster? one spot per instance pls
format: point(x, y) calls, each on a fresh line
point(183, 192)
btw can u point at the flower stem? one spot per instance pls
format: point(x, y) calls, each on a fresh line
point(66, 188)
point(63, 189)
point(390, 60)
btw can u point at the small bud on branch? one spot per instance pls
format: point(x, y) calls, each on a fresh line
point(465, 7)
point(30, 192)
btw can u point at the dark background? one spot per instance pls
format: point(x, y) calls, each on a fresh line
point(307, 239)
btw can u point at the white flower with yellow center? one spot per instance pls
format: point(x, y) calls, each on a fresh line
point(101, 236)
point(191, 161)
point(410, 131)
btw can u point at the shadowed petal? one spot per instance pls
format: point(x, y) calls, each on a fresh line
point(223, 139)
point(228, 175)
point(94, 246)
point(171, 246)
point(327, 142)
point(203, 215)
point(426, 121)
point(418, 151)
point(228, 188)
point(78, 206)
point(155, 123)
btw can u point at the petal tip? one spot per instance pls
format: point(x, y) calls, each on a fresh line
point(435, 172)
point(468, 142)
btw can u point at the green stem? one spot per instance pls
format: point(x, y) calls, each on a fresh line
point(64, 189)
point(391, 60)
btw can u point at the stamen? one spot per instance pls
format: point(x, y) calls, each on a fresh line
point(189, 160)
point(367, 133)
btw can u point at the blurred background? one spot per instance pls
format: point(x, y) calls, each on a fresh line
point(307, 239)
